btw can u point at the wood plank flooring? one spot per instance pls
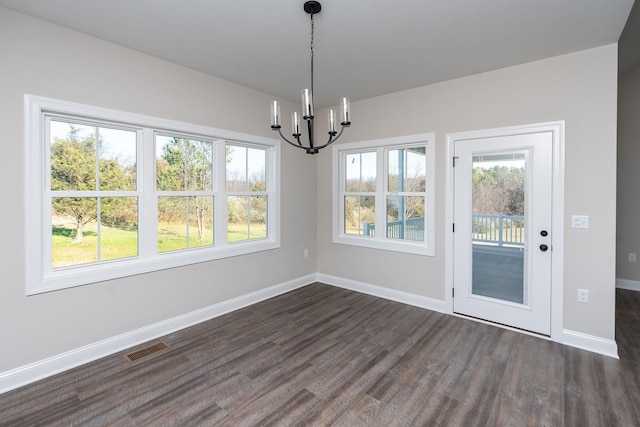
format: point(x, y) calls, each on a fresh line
point(325, 356)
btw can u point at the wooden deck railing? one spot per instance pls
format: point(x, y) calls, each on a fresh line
point(497, 229)
point(410, 229)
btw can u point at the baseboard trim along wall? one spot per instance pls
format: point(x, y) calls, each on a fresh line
point(33, 372)
point(382, 292)
point(631, 285)
point(590, 343)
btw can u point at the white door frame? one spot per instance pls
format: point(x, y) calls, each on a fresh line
point(557, 220)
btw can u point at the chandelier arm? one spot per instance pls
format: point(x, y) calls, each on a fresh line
point(298, 145)
point(333, 138)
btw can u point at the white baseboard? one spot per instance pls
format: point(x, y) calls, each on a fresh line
point(382, 292)
point(591, 343)
point(632, 285)
point(32, 372)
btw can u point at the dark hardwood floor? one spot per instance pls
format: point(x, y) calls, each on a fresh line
point(326, 356)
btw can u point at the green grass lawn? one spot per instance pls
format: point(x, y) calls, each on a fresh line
point(117, 243)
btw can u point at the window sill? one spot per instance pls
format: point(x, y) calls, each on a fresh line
point(401, 246)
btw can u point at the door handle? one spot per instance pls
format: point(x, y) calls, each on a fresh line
point(544, 247)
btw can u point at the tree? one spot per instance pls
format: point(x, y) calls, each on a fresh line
point(498, 189)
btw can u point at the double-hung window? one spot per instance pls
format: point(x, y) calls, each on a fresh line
point(111, 194)
point(384, 194)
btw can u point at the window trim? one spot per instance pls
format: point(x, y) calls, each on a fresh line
point(377, 241)
point(41, 278)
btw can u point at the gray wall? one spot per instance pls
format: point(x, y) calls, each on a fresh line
point(42, 59)
point(579, 88)
point(628, 174)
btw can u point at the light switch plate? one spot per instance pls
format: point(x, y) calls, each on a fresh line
point(579, 221)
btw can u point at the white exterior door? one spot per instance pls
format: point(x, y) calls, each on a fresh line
point(502, 234)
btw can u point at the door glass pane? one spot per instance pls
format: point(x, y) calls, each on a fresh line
point(498, 228)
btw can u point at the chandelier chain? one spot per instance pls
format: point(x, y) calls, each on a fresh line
point(311, 51)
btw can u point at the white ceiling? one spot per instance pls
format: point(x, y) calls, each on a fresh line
point(363, 48)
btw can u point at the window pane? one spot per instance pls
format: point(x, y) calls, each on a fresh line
point(199, 165)
point(359, 215)
point(118, 228)
point(172, 223)
point(170, 162)
point(236, 168)
point(245, 169)
point(405, 218)
point(200, 229)
point(238, 219)
point(257, 159)
point(73, 156)
point(117, 149)
point(360, 171)
point(258, 217)
point(183, 164)
point(247, 218)
point(74, 237)
point(407, 169)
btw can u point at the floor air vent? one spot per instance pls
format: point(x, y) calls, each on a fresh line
point(147, 351)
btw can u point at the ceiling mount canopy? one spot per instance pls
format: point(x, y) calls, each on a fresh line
point(312, 8)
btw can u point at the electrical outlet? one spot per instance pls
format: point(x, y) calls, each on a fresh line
point(306, 253)
point(583, 295)
point(632, 257)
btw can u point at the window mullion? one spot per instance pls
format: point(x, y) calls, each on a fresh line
point(220, 194)
point(148, 196)
point(380, 195)
point(46, 198)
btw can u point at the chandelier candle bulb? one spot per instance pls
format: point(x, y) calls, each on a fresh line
point(275, 114)
point(295, 120)
point(344, 111)
point(332, 121)
point(307, 103)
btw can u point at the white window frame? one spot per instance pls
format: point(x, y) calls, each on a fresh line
point(41, 277)
point(380, 241)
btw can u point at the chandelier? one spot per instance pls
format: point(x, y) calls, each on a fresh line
point(311, 7)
